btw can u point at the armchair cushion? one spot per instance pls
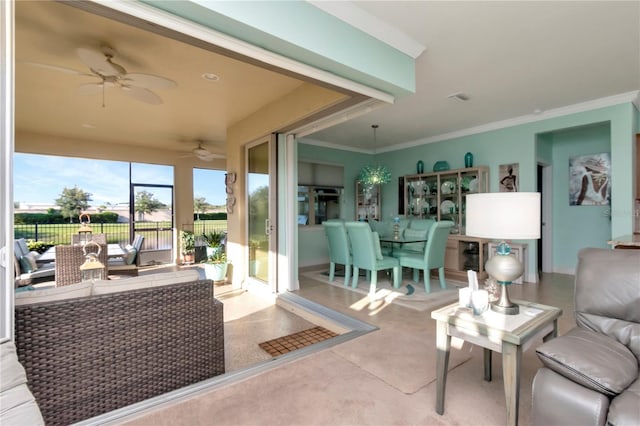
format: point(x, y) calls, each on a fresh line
point(625, 408)
point(57, 293)
point(591, 359)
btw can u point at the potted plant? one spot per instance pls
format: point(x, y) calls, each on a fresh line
point(188, 245)
point(215, 266)
point(214, 241)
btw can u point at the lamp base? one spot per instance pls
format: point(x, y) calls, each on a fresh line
point(504, 305)
point(506, 310)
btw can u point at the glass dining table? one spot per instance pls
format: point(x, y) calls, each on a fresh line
point(401, 241)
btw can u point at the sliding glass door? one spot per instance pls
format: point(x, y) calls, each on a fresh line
point(261, 202)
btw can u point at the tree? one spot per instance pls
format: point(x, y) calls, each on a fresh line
point(72, 202)
point(146, 203)
point(200, 205)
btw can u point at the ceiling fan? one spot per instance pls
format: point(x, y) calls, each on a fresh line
point(111, 74)
point(202, 153)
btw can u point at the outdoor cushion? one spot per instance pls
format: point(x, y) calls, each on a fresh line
point(56, 293)
point(130, 255)
point(17, 404)
point(32, 260)
point(25, 265)
point(145, 281)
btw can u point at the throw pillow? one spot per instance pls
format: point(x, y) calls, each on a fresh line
point(130, 255)
point(32, 261)
point(376, 246)
point(25, 265)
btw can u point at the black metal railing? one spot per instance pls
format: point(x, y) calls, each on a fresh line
point(157, 235)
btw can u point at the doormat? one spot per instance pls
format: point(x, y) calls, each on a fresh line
point(291, 342)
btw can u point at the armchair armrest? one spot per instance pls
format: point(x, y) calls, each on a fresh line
point(592, 360)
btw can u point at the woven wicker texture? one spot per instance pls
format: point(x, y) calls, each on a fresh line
point(91, 355)
point(69, 259)
point(98, 238)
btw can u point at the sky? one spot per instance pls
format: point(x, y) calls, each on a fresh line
point(40, 179)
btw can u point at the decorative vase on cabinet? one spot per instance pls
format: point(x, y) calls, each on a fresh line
point(468, 160)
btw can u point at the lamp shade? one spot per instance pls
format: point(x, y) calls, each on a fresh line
point(503, 215)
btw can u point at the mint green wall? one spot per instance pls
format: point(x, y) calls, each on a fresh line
point(517, 144)
point(575, 227)
point(299, 30)
point(312, 245)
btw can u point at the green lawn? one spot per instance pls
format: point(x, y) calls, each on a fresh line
point(157, 234)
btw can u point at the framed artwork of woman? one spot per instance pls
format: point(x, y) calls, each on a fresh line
point(589, 180)
point(509, 177)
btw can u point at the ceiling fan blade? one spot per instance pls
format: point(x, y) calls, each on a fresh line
point(148, 81)
point(99, 63)
point(93, 88)
point(61, 69)
point(142, 95)
point(210, 156)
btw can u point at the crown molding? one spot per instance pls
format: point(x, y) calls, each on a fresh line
point(633, 97)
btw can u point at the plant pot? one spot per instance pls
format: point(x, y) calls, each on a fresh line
point(216, 272)
point(188, 258)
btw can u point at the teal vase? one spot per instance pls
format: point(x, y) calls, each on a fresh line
point(420, 167)
point(468, 159)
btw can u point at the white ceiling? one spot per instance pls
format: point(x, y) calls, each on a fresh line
point(510, 58)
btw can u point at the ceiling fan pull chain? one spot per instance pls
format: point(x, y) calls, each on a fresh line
point(103, 94)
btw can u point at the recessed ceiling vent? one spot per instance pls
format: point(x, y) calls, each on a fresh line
point(459, 96)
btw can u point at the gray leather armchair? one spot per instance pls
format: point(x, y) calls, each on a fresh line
point(590, 375)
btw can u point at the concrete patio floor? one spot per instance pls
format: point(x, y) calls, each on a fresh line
point(385, 377)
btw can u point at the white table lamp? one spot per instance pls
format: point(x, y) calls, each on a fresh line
point(504, 216)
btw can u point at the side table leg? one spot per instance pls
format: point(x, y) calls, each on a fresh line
point(443, 346)
point(487, 364)
point(553, 334)
point(511, 357)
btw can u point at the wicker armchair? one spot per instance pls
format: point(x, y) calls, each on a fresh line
point(98, 238)
point(69, 259)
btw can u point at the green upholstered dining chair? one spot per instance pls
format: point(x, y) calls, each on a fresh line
point(366, 254)
point(432, 257)
point(339, 250)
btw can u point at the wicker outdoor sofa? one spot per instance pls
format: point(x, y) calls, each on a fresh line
point(110, 344)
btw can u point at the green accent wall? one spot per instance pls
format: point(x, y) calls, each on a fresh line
point(551, 141)
point(301, 31)
point(576, 227)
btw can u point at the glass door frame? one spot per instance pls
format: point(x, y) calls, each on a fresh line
point(271, 222)
point(132, 212)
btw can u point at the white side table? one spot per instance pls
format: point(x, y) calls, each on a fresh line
point(506, 334)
